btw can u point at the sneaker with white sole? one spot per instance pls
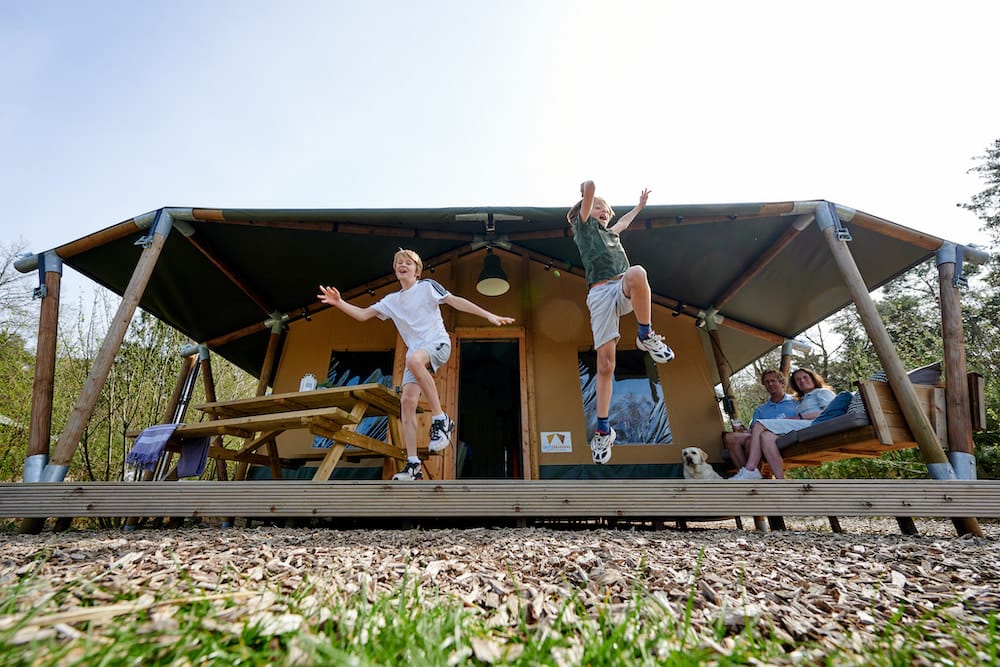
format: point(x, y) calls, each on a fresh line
point(601, 445)
point(410, 473)
point(658, 350)
point(746, 475)
point(441, 430)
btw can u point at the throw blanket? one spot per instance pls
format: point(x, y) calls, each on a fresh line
point(149, 446)
point(194, 455)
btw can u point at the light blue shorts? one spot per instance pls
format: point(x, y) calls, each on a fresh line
point(439, 357)
point(607, 303)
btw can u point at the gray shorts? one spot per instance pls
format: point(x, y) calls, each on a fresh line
point(607, 303)
point(439, 357)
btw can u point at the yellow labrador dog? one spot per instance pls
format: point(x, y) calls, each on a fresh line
point(696, 464)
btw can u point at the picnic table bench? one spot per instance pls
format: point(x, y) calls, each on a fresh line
point(333, 413)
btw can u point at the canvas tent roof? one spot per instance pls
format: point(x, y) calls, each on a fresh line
point(764, 266)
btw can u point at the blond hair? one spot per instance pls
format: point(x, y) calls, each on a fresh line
point(410, 254)
point(575, 211)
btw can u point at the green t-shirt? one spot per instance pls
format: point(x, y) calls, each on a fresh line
point(600, 249)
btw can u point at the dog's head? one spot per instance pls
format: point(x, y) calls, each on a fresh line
point(694, 456)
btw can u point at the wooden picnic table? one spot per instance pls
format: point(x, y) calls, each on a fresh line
point(333, 413)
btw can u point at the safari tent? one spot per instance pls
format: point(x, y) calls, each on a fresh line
point(730, 282)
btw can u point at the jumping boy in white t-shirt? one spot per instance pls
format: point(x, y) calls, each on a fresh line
point(415, 310)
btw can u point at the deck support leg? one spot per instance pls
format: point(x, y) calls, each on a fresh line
point(907, 525)
point(777, 523)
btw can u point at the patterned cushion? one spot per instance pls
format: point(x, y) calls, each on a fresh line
point(857, 406)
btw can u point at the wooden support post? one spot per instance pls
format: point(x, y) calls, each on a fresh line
point(786, 364)
point(208, 380)
point(930, 449)
point(271, 356)
point(725, 377)
point(40, 428)
point(55, 471)
point(956, 383)
point(277, 323)
point(80, 415)
point(721, 363)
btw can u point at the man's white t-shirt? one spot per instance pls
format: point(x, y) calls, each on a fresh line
point(416, 312)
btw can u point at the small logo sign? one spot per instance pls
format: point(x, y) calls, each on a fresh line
point(557, 441)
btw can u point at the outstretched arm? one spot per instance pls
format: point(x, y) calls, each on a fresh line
point(466, 306)
point(627, 219)
point(331, 297)
point(587, 190)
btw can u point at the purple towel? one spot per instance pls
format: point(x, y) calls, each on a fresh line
point(149, 446)
point(194, 456)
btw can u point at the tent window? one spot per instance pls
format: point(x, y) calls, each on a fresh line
point(638, 412)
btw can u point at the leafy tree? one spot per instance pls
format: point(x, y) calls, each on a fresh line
point(18, 311)
point(982, 313)
point(17, 371)
point(910, 309)
point(986, 204)
point(17, 315)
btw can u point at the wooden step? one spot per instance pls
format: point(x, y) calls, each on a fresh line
point(542, 499)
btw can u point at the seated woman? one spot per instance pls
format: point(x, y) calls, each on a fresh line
point(814, 395)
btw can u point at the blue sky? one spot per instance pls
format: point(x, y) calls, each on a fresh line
point(110, 109)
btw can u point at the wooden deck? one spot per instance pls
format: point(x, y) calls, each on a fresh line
point(532, 501)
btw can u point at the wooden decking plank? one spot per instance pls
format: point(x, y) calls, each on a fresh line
point(543, 499)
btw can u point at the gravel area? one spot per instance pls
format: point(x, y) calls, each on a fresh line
point(807, 584)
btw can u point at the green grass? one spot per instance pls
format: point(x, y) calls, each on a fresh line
point(415, 627)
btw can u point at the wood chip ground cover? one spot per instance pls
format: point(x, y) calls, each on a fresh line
point(805, 584)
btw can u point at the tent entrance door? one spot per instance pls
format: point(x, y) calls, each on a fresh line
point(490, 405)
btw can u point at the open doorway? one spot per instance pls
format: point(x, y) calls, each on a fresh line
point(489, 408)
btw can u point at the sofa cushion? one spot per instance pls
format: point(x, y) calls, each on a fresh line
point(836, 425)
point(836, 408)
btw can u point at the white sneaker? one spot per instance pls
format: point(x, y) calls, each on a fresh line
point(658, 350)
point(441, 430)
point(746, 475)
point(411, 473)
point(600, 446)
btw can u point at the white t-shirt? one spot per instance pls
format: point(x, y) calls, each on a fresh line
point(416, 313)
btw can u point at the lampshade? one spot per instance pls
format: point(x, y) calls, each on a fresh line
point(492, 279)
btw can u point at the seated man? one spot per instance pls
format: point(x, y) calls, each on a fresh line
point(780, 405)
point(814, 396)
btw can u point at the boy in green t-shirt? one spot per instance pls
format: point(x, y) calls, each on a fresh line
point(614, 289)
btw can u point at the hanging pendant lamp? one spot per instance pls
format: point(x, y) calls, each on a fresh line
point(492, 279)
